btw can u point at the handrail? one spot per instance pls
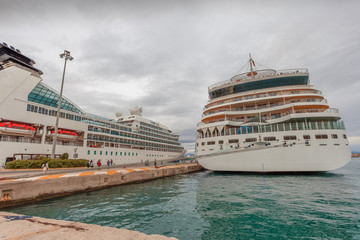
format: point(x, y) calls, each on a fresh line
point(261, 108)
point(244, 76)
point(263, 95)
point(278, 127)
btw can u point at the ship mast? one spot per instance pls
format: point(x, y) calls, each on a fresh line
point(251, 69)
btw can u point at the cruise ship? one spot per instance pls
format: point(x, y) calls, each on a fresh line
point(28, 109)
point(266, 120)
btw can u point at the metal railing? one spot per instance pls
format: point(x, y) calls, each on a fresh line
point(244, 76)
point(265, 106)
point(278, 127)
point(261, 95)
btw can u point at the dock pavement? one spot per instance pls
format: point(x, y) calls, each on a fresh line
point(20, 227)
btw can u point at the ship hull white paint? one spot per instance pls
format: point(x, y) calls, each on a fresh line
point(297, 158)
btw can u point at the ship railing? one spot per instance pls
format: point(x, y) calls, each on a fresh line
point(19, 139)
point(266, 106)
point(244, 76)
point(263, 95)
point(292, 71)
point(332, 110)
point(278, 127)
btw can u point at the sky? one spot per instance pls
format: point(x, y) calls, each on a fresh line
point(163, 54)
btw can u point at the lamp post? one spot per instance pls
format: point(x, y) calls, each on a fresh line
point(66, 55)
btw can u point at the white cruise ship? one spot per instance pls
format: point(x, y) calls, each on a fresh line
point(28, 109)
point(265, 120)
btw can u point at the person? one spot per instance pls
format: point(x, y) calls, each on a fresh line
point(111, 162)
point(91, 163)
point(88, 164)
point(45, 167)
point(99, 163)
point(108, 162)
point(155, 163)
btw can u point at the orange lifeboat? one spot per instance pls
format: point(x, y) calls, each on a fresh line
point(14, 128)
point(254, 73)
point(64, 134)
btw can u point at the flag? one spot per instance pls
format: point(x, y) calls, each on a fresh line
point(253, 62)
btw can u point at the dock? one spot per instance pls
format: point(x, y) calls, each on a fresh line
point(15, 226)
point(21, 190)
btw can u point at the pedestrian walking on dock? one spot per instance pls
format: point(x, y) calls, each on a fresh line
point(91, 163)
point(111, 162)
point(99, 163)
point(45, 167)
point(108, 162)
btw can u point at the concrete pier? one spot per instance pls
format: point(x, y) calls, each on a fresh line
point(29, 189)
point(15, 227)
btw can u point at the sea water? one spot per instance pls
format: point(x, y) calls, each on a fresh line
point(211, 205)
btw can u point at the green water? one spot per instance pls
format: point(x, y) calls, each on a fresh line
point(208, 205)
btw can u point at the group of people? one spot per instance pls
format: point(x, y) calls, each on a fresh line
point(98, 163)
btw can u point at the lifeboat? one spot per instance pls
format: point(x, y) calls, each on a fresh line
point(14, 128)
point(254, 73)
point(63, 134)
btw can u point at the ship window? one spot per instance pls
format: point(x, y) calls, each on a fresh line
point(120, 153)
point(273, 94)
point(106, 153)
point(203, 143)
point(116, 153)
point(136, 154)
point(132, 154)
point(221, 142)
point(321, 136)
point(250, 139)
point(129, 154)
point(269, 138)
point(88, 152)
point(344, 136)
point(306, 136)
point(111, 153)
point(211, 143)
point(292, 137)
point(100, 152)
point(233, 140)
point(94, 152)
point(334, 136)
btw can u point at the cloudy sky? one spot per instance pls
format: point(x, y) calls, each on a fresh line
point(162, 55)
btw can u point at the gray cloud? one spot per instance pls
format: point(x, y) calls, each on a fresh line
point(163, 55)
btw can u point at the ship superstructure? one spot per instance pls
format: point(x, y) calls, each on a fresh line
point(265, 120)
point(28, 109)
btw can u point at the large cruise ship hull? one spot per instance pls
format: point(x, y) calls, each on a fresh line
point(296, 158)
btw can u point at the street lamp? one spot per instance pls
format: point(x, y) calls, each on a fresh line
point(66, 55)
